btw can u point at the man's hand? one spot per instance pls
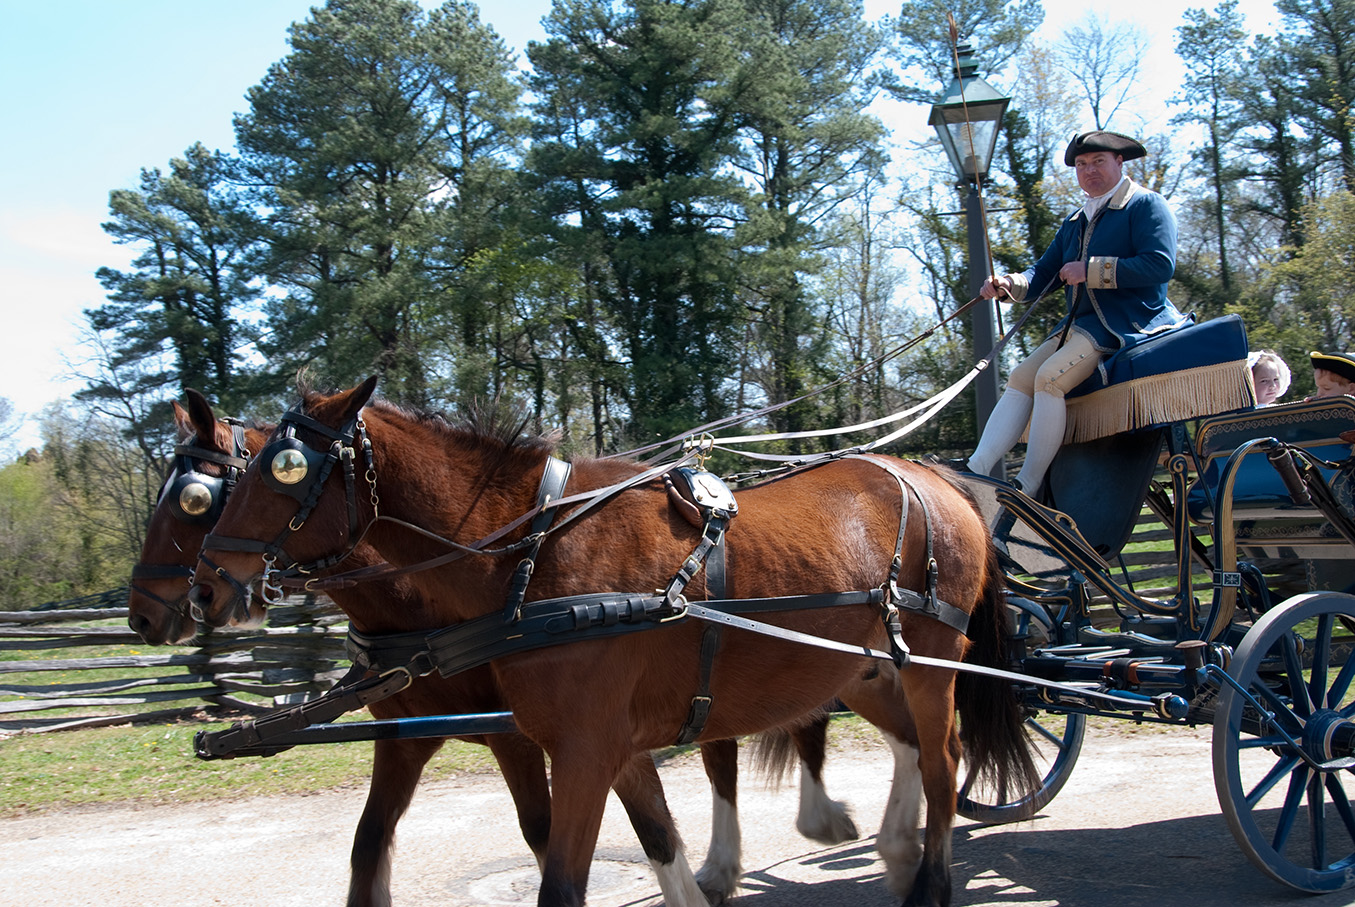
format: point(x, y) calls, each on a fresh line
point(1073, 272)
point(994, 287)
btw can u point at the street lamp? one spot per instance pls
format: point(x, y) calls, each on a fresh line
point(966, 120)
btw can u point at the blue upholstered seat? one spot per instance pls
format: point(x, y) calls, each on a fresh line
point(1186, 373)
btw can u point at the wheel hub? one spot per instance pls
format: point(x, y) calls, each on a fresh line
point(1329, 738)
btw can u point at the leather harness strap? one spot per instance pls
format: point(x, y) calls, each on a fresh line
point(554, 478)
point(249, 738)
point(520, 627)
point(927, 602)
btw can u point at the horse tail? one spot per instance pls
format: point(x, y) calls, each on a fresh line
point(776, 751)
point(992, 719)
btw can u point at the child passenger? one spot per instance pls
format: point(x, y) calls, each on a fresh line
point(1334, 374)
point(1269, 375)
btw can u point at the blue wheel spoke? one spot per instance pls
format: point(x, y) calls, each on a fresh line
point(1317, 683)
point(1340, 686)
point(1293, 798)
point(1293, 670)
point(1046, 733)
point(1337, 791)
point(1317, 822)
point(1281, 769)
point(1283, 710)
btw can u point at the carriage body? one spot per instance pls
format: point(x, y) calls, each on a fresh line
point(1254, 640)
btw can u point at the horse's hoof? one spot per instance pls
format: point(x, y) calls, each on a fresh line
point(832, 826)
point(716, 886)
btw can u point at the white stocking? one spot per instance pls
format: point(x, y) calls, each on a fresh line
point(1005, 427)
point(1048, 418)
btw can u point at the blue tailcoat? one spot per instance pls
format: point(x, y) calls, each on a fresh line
point(1130, 251)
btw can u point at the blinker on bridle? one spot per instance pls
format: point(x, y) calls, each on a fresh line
point(193, 496)
point(292, 467)
point(196, 498)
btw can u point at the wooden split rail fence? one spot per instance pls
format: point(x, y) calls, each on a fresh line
point(105, 675)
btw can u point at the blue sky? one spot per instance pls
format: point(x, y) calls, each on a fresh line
point(96, 90)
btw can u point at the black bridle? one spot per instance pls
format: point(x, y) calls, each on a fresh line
point(193, 497)
point(292, 467)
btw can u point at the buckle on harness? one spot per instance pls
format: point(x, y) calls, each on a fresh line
point(679, 606)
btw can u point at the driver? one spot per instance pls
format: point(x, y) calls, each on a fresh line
point(1114, 256)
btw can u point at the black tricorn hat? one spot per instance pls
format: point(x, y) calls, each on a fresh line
point(1100, 140)
point(1342, 364)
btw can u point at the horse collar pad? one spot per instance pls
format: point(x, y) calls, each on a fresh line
point(705, 489)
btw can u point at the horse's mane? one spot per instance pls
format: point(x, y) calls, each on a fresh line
point(502, 424)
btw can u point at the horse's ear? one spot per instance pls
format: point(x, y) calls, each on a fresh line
point(182, 421)
point(201, 415)
point(357, 398)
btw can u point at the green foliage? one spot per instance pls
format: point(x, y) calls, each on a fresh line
point(191, 283)
point(995, 28)
point(36, 545)
point(1312, 284)
point(375, 148)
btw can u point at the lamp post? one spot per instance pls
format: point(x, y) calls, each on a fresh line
point(966, 120)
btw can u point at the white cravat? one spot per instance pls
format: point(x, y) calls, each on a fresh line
point(1092, 205)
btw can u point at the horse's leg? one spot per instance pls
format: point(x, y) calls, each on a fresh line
point(821, 818)
point(931, 695)
point(880, 701)
point(719, 875)
point(582, 771)
point(396, 767)
point(641, 793)
point(523, 765)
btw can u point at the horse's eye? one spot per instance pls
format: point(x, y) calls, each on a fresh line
point(288, 466)
point(195, 499)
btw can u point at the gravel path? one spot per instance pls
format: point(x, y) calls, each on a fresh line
point(1138, 824)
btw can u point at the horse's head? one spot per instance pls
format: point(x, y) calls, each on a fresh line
point(208, 461)
point(298, 508)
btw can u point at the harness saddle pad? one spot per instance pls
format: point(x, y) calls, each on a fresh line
point(1184, 373)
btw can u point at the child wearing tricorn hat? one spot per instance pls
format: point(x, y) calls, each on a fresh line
point(1114, 256)
point(1334, 374)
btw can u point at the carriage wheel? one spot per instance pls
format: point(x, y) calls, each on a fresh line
point(1057, 740)
point(1293, 819)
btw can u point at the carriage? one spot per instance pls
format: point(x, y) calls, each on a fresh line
point(1259, 649)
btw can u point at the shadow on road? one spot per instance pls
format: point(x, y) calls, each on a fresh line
point(1189, 862)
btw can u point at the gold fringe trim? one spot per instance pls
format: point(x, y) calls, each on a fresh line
point(1187, 394)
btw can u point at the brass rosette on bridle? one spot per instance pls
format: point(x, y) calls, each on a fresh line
point(193, 496)
point(291, 467)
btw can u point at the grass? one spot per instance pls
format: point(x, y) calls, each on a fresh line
point(155, 764)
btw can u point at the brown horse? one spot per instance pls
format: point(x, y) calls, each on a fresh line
point(208, 453)
point(598, 705)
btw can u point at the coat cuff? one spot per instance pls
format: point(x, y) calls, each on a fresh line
point(1020, 286)
point(1101, 272)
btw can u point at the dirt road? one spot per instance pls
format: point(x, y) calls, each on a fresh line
point(1138, 824)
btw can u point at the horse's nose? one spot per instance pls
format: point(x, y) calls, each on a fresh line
point(199, 600)
point(140, 625)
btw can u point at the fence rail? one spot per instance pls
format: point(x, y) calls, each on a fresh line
point(111, 677)
point(106, 675)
